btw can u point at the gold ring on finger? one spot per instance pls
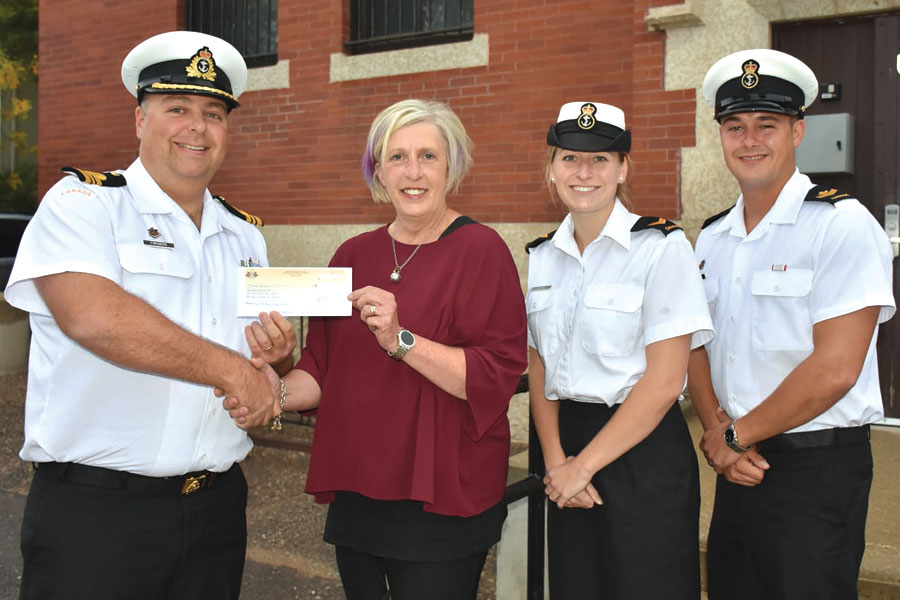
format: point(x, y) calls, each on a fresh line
point(269, 347)
point(372, 309)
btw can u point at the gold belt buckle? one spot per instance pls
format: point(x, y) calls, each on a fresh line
point(192, 484)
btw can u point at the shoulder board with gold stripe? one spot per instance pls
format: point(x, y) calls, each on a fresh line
point(826, 194)
point(658, 223)
point(106, 179)
point(252, 219)
point(537, 242)
point(716, 217)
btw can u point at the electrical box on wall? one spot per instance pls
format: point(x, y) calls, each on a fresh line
point(827, 146)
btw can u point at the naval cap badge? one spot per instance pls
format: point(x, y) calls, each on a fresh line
point(202, 65)
point(749, 79)
point(586, 119)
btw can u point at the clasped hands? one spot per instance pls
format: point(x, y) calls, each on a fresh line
point(745, 469)
point(568, 484)
point(253, 398)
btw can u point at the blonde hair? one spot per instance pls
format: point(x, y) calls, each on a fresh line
point(408, 112)
point(623, 190)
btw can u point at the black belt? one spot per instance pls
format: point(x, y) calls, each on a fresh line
point(838, 437)
point(132, 482)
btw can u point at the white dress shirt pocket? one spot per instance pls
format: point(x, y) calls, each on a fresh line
point(781, 318)
point(141, 259)
point(612, 319)
point(541, 323)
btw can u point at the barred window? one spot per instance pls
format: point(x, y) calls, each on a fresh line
point(251, 26)
point(377, 25)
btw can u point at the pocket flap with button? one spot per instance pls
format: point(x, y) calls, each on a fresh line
point(538, 298)
point(138, 258)
point(795, 283)
point(620, 297)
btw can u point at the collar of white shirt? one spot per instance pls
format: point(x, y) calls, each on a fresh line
point(784, 211)
point(149, 198)
point(617, 228)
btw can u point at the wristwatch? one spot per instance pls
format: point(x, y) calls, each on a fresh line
point(731, 440)
point(405, 342)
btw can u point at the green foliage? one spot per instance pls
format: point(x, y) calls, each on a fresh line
point(18, 190)
point(19, 31)
point(18, 64)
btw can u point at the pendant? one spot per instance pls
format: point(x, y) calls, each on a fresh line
point(395, 276)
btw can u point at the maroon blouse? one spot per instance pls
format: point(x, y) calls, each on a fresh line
point(385, 431)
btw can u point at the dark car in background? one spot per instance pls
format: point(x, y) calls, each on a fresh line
point(11, 228)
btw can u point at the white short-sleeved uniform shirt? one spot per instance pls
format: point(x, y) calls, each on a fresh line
point(805, 262)
point(591, 315)
point(82, 408)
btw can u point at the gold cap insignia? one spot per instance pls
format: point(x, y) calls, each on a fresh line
point(749, 79)
point(586, 120)
point(202, 65)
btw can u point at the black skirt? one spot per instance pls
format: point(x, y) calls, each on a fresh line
point(401, 529)
point(643, 541)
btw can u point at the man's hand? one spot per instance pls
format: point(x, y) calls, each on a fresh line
point(253, 400)
point(717, 453)
point(748, 470)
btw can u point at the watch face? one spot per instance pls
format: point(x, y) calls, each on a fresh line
point(407, 338)
point(729, 436)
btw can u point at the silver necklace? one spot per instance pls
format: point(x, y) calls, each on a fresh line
point(395, 274)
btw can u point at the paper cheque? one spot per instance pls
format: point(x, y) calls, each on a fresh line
point(295, 292)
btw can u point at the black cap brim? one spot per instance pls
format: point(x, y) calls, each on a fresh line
point(770, 94)
point(598, 139)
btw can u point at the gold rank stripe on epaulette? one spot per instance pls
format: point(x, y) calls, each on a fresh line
point(106, 179)
point(823, 193)
point(537, 242)
point(658, 223)
point(252, 219)
point(716, 217)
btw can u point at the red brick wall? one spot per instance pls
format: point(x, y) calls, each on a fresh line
point(294, 155)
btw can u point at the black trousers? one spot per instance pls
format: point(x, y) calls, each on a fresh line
point(643, 541)
point(88, 542)
point(368, 577)
point(799, 535)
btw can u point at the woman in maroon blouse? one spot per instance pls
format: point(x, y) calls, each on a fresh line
point(412, 440)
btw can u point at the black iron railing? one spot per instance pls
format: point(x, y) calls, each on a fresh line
point(532, 487)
